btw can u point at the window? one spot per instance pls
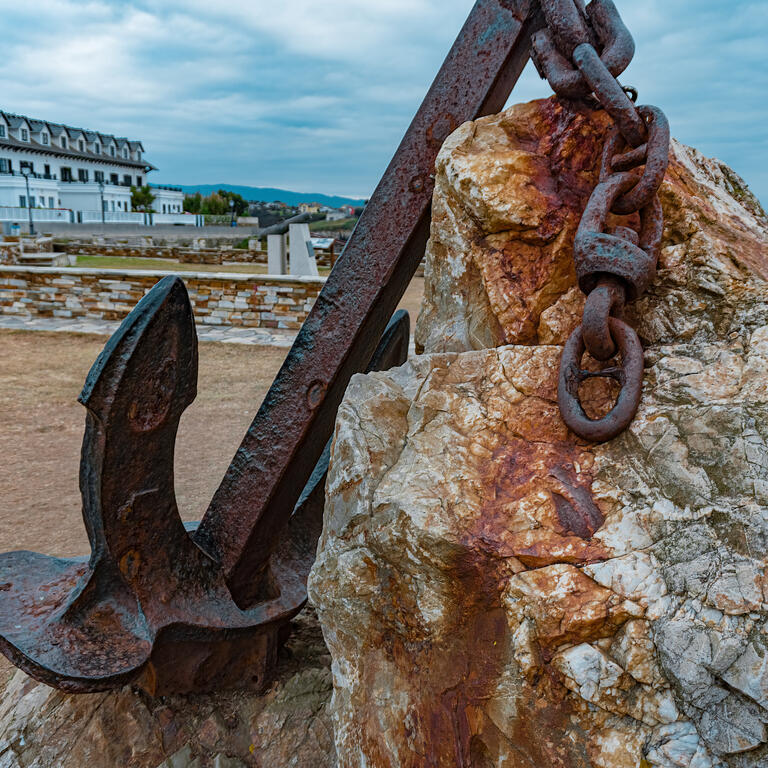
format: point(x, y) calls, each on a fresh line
point(26, 166)
point(112, 151)
point(82, 174)
point(105, 205)
point(24, 134)
point(64, 142)
point(51, 202)
point(22, 201)
point(98, 176)
point(66, 174)
point(47, 171)
point(5, 165)
point(138, 155)
point(44, 138)
point(97, 149)
point(127, 180)
point(125, 154)
point(139, 181)
point(32, 202)
point(81, 145)
point(2, 131)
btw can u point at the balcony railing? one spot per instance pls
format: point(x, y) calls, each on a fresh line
point(105, 182)
point(21, 215)
point(94, 217)
point(50, 176)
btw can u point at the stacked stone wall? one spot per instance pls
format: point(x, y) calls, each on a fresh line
point(253, 301)
point(183, 255)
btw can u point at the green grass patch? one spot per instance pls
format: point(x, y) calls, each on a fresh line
point(166, 265)
point(343, 225)
point(169, 265)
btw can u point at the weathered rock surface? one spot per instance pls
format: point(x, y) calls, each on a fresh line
point(509, 194)
point(495, 592)
point(289, 726)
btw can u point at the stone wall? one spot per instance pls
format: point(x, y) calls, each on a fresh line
point(254, 301)
point(208, 255)
point(9, 252)
point(12, 248)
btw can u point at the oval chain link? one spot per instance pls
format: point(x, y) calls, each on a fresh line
point(581, 52)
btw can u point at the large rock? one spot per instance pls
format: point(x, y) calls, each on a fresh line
point(495, 592)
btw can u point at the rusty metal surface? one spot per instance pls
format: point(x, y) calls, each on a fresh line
point(597, 253)
point(629, 376)
point(603, 24)
point(606, 300)
point(294, 422)
point(581, 52)
point(611, 95)
point(150, 606)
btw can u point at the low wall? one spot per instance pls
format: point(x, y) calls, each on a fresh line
point(183, 255)
point(133, 251)
point(12, 248)
point(253, 301)
point(161, 230)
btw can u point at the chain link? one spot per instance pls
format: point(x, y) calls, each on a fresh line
point(581, 52)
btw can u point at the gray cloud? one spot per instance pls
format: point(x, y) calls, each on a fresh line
point(316, 96)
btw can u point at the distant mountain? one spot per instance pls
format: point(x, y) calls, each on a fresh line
point(269, 195)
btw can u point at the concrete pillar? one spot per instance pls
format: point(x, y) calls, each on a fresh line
point(277, 263)
point(303, 262)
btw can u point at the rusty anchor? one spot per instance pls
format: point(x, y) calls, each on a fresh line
point(182, 609)
point(150, 606)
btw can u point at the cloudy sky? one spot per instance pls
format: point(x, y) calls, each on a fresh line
point(315, 96)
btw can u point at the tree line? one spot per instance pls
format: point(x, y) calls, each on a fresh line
point(216, 204)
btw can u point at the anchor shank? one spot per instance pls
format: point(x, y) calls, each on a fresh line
point(288, 434)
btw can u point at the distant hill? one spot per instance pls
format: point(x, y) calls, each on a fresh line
point(269, 195)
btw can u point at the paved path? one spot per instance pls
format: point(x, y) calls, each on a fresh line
point(226, 334)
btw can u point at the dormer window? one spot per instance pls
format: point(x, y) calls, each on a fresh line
point(81, 145)
point(97, 149)
point(24, 134)
point(138, 155)
point(63, 142)
point(2, 131)
point(125, 154)
point(112, 151)
point(44, 138)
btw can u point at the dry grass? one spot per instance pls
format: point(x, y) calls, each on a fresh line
point(41, 427)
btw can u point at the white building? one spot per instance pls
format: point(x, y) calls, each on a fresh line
point(72, 174)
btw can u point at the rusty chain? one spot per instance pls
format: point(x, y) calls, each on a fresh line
point(581, 52)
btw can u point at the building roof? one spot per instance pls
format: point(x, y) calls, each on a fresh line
point(56, 129)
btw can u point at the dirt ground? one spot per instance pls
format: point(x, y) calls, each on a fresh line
point(41, 428)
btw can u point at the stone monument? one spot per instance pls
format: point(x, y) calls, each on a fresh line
point(277, 261)
point(302, 255)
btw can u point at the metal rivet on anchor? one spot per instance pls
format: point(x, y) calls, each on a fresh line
point(316, 393)
point(417, 184)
